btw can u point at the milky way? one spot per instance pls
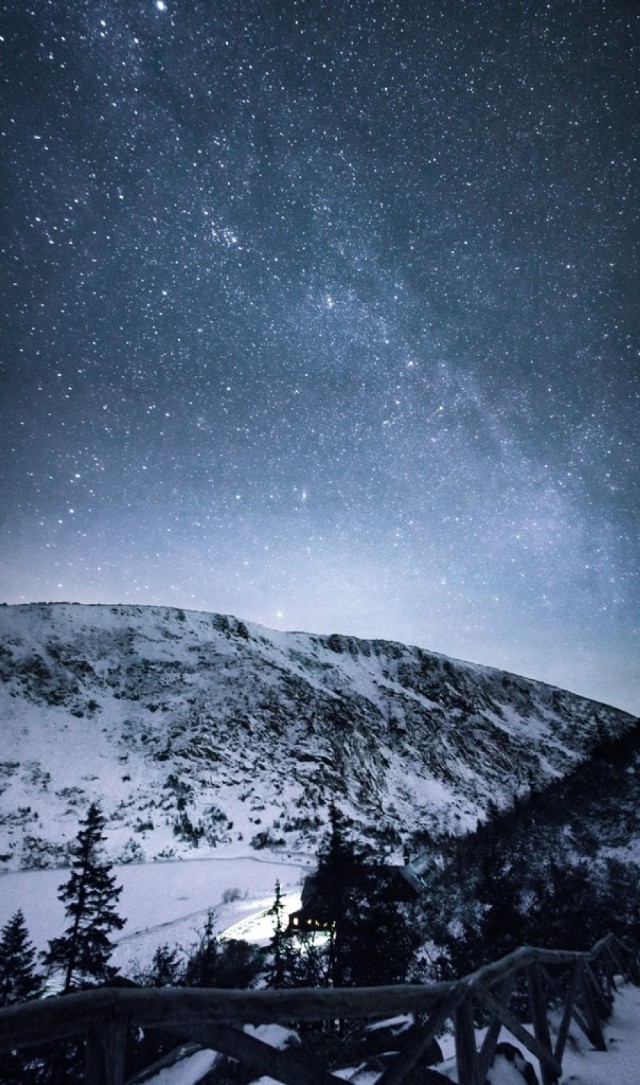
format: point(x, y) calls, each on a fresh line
point(326, 314)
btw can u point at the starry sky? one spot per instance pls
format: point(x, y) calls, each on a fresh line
point(325, 313)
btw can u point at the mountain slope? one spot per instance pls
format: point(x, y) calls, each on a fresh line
point(201, 730)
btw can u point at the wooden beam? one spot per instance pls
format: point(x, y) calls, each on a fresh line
point(42, 1020)
point(487, 1051)
point(604, 953)
point(616, 967)
point(183, 1051)
point(491, 974)
point(465, 1037)
point(538, 1006)
point(518, 1030)
point(581, 1022)
point(290, 1066)
point(571, 1009)
point(48, 1019)
point(104, 1053)
point(420, 1038)
point(594, 1024)
point(632, 970)
point(601, 945)
point(602, 999)
point(30, 1023)
point(568, 1013)
point(190, 1010)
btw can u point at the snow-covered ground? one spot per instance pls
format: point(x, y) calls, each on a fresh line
point(619, 1065)
point(581, 1064)
point(164, 902)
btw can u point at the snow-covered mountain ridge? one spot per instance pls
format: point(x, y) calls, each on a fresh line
point(199, 730)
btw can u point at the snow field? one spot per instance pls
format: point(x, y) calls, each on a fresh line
point(164, 902)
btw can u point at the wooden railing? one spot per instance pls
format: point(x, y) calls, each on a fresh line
point(563, 986)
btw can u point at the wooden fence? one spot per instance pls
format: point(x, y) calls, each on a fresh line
point(550, 988)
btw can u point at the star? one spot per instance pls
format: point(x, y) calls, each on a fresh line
point(393, 254)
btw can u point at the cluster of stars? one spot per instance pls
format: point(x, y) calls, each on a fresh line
point(327, 317)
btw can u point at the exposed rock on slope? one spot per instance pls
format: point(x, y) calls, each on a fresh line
point(202, 730)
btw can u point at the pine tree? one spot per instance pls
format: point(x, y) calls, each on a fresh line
point(213, 962)
point(18, 978)
point(166, 967)
point(370, 939)
point(204, 958)
point(280, 971)
point(276, 976)
point(340, 880)
point(90, 896)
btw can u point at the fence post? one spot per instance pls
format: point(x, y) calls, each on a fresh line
point(487, 1051)
point(419, 1038)
point(632, 970)
point(608, 964)
point(593, 1021)
point(465, 1037)
point(538, 1006)
point(569, 1011)
point(104, 1053)
point(603, 998)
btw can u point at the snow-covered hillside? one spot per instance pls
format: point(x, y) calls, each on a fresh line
point(201, 731)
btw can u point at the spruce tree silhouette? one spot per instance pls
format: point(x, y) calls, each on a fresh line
point(18, 978)
point(82, 953)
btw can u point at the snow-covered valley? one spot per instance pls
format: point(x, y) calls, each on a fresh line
point(165, 902)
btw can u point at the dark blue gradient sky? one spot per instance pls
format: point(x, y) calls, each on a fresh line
point(326, 314)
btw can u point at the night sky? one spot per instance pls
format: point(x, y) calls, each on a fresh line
point(326, 314)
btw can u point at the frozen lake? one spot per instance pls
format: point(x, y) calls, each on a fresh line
point(162, 902)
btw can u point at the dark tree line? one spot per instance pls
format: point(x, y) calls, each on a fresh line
point(540, 873)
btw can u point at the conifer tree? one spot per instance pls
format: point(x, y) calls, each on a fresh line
point(370, 940)
point(204, 958)
point(82, 953)
point(18, 978)
point(340, 880)
point(280, 969)
point(166, 968)
point(276, 973)
point(215, 962)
